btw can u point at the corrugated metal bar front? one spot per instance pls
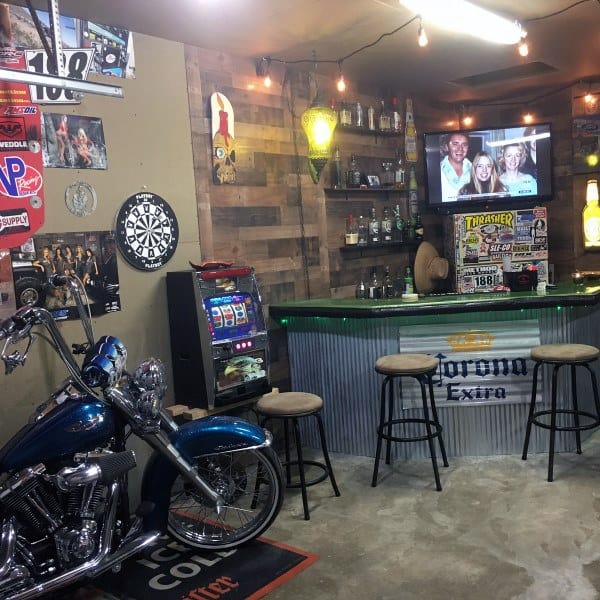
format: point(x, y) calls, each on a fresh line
point(334, 358)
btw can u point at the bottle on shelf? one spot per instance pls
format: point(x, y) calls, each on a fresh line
point(363, 231)
point(373, 287)
point(591, 216)
point(374, 229)
point(351, 236)
point(359, 119)
point(371, 118)
point(413, 194)
point(409, 283)
point(387, 287)
point(419, 232)
point(409, 230)
point(396, 119)
point(386, 226)
point(337, 179)
point(345, 115)
point(399, 283)
point(410, 134)
point(361, 290)
point(385, 123)
point(399, 172)
point(387, 175)
point(353, 174)
point(398, 226)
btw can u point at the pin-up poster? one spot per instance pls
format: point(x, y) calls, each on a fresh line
point(73, 142)
point(91, 255)
point(21, 168)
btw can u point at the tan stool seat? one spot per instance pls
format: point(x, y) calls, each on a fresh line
point(565, 353)
point(289, 403)
point(405, 364)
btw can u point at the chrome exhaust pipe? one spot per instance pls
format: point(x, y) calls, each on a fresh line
point(8, 540)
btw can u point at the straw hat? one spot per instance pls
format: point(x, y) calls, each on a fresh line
point(429, 268)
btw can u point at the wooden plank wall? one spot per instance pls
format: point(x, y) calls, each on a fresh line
point(276, 219)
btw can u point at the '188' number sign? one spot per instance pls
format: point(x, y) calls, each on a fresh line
point(77, 63)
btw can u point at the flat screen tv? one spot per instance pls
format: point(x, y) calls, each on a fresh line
point(498, 167)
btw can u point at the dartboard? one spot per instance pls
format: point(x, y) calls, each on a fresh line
point(147, 231)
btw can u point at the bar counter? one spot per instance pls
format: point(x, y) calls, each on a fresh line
point(333, 345)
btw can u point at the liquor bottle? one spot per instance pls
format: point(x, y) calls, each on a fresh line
point(409, 283)
point(396, 120)
point(409, 230)
point(385, 123)
point(373, 287)
point(351, 236)
point(387, 288)
point(337, 170)
point(361, 290)
point(399, 283)
point(410, 134)
point(345, 117)
point(371, 118)
point(398, 226)
point(386, 226)
point(399, 172)
point(419, 231)
point(353, 173)
point(363, 231)
point(359, 120)
point(387, 175)
point(413, 194)
point(374, 229)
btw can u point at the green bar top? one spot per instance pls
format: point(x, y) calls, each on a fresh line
point(564, 294)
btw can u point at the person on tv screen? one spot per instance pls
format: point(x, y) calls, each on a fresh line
point(485, 178)
point(530, 165)
point(455, 166)
point(512, 158)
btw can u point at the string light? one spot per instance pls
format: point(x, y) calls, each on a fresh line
point(465, 117)
point(523, 47)
point(422, 38)
point(527, 118)
point(341, 84)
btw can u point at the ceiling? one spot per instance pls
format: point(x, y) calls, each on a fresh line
point(568, 43)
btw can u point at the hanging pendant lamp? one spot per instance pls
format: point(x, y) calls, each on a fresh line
point(318, 122)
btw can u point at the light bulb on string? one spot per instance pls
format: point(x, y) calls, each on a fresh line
point(523, 48)
point(527, 118)
point(341, 83)
point(422, 37)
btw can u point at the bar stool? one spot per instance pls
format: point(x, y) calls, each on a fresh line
point(421, 367)
point(291, 406)
point(573, 355)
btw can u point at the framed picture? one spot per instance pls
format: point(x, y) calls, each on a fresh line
point(373, 181)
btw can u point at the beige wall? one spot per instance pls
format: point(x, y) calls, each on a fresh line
point(149, 145)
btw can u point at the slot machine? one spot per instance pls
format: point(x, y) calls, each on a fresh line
point(219, 344)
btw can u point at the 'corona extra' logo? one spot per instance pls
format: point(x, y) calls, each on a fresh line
point(470, 341)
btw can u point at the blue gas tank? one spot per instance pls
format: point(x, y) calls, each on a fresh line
point(76, 424)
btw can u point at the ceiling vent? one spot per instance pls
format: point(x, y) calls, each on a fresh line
point(532, 69)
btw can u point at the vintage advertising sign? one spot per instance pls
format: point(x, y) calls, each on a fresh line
point(21, 168)
point(223, 132)
point(487, 364)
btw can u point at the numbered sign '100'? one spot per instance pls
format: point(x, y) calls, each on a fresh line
point(77, 63)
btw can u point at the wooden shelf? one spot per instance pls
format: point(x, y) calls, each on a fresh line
point(352, 251)
point(368, 190)
point(365, 131)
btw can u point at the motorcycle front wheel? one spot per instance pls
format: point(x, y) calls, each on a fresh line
point(251, 484)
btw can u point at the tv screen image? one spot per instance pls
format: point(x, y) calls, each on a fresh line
point(499, 166)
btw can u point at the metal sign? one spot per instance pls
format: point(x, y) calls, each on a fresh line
point(76, 61)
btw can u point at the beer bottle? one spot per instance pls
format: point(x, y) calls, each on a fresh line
point(409, 284)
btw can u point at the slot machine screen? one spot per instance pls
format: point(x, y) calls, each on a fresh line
point(230, 316)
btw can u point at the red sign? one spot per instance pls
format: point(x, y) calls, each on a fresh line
point(21, 166)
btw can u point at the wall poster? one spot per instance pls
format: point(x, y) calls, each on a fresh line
point(91, 255)
point(73, 142)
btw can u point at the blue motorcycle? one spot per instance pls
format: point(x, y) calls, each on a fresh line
point(214, 483)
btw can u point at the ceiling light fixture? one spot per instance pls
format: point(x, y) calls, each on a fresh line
point(422, 37)
point(465, 17)
point(263, 69)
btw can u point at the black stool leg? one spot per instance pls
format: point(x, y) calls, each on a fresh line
point(437, 421)
point(531, 410)
point(575, 408)
point(379, 433)
point(301, 469)
point(438, 484)
point(286, 437)
point(552, 424)
point(389, 381)
point(326, 454)
point(594, 389)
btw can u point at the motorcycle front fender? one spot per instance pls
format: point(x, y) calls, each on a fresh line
point(210, 435)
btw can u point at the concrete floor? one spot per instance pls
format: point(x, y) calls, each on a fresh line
point(497, 530)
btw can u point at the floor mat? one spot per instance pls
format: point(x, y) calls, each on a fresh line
point(173, 571)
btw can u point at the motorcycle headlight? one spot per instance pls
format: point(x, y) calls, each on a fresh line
point(150, 376)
